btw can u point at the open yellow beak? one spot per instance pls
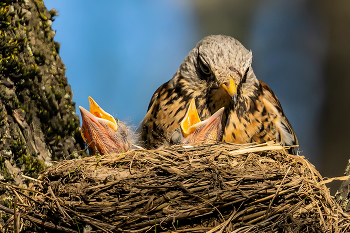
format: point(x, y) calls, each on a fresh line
point(97, 111)
point(209, 130)
point(191, 118)
point(231, 89)
point(194, 130)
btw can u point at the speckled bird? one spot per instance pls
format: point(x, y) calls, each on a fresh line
point(103, 133)
point(218, 73)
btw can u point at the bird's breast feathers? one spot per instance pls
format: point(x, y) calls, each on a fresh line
point(259, 118)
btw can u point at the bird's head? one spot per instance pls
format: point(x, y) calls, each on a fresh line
point(221, 62)
point(193, 130)
point(103, 133)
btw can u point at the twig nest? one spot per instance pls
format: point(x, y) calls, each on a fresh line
point(204, 188)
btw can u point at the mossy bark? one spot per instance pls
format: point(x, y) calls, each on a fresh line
point(343, 193)
point(37, 115)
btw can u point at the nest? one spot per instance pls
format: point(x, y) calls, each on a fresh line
point(205, 188)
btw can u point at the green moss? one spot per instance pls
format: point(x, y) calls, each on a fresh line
point(57, 47)
point(32, 165)
point(5, 217)
point(3, 115)
point(4, 173)
point(9, 204)
point(53, 13)
point(18, 148)
point(30, 66)
point(44, 115)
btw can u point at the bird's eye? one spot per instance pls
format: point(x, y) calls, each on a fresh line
point(204, 66)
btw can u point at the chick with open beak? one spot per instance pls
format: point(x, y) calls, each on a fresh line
point(193, 130)
point(103, 133)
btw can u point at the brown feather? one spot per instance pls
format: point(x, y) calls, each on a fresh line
point(257, 116)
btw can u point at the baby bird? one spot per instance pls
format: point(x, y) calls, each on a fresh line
point(103, 133)
point(193, 130)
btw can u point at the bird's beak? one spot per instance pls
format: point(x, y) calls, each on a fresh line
point(191, 118)
point(97, 111)
point(195, 130)
point(231, 89)
point(97, 133)
point(208, 130)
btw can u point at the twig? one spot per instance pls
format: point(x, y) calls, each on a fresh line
point(15, 215)
point(270, 196)
point(223, 225)
point(39, 222)
point(132, 162)
point(278, 189)
point(22, 188)
point(14, 191)
point(263, 216)
point(30, 178)
point(19, 221)
point(320, 213)
point(8, 221)
point(334, 178)
point(255, 149)
point(138, 147)
point(169, 160)
point(64, 213)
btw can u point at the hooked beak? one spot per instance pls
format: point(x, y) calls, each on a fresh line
point(97, 111)
point(98, 134)
point(201, 131)
point(231, 89)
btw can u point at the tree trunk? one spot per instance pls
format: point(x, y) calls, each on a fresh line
point(37, 115)
point(342, 195)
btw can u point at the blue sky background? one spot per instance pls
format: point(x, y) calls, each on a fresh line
point(120, 52)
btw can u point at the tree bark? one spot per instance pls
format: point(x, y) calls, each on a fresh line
point(342, 195)
point(38, 123)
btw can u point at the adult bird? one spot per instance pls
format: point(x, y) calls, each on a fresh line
point(218, 73)
point(103, 133)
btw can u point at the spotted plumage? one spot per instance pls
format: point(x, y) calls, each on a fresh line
point(217, 73)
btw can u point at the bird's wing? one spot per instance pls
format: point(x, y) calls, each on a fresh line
point(271, 98)
point(145, 131)
point(156, 95)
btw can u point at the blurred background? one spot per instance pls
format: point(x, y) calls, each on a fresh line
point(120, 52)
